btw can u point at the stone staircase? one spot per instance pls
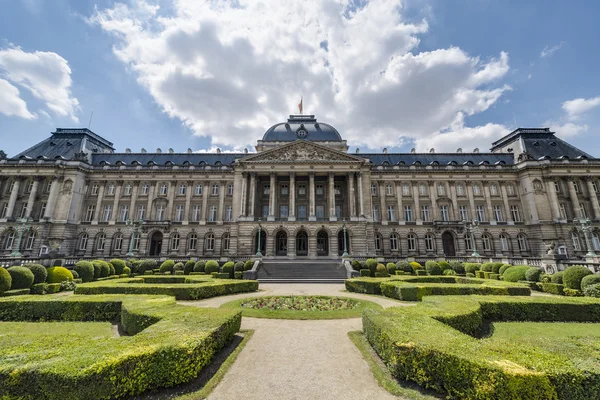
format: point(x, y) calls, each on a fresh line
point(306, 271)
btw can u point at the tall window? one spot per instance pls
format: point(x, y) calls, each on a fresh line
point(476, 190)
point(111, 189)
point(595, 241)
point(100, 242)
point(406, 189)
point(422, 189)
point(266, 189)
point(141, 212)
point(215, 189)
point(127, 189)
point(29, 187)
point(94, 190)
point(494, 189)
point(163, 189)
point(175, 242)
point(391, 213)
point(182, 189)
point(179, 213)
point(575, 240)
point(460, 189)
point(265, 211)
point(284, 189)
point(378, 242)
point(487, 242)
point(209, 242)
point(145, 188)
point(338, 211)
point(522, 242)
point(4, 210)
point(408, 216)
point(394, 242)
point(320, 212)
point(462, 210)
point(302, 189)
point(83, 241)
point(514, 212)
point(31, 240)
point(375, 213)
point(196, 213)
point(319, 190)
point(557, 186)
point(480, 211)
point(429, 242)
point(10, 239)
point(106, 214)
point(225, 242)
point(11, 187)
point(283, 211)
point(498, 213)
point(441, 189)
point(510, 190)
point(594, 187)
point(411, 242)
point(563, 211)
point(504, 242)
point(582, 212)
point(199, 189)
point(89, 213)
point(136, 241)
point(468, 243)
point(192, 242)
point(42, 210)
point(23, 210)
point(160, 212)
point(212, 214)
point(373, 189)
point(444, 213)
point(576, 186)
point(337, 189)
point(228, 214)
point(230, 189)
point(425, 213)
point(301, 211)
point(118, 242)
point(123, 213)
point(389, 189)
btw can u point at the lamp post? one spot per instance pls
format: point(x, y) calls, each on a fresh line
point(345, 243)
point(471, 229)
point(20, 229)
point(258, 252)
point(586, 227)
point(135, 225)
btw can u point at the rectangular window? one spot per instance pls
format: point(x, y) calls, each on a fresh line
point(141, 212)
point(514, 212)
point(338, 211)
point(199, 190)
point(23, 210)
point(230, 189)
point(89, 213)
point(196, 213)
point(557, 186)
point(337, 189)
point(265, 212)
point(283, 211)
point(460, 190)
point(11, 187)
point(163, 189)
point(503, 242)
point(106, 214)
point(320, 211)
point(391, 213)
point(494, 190)
point(127, 189)
point(498, 213)
point(375, 213)
point(406, 190)
point(179, 213)
point(215, 189)
point(425, 213)
point(408, 213)
point(182, 189)
point(123, 213)
point(476, 190)
point(582, 212)
point(145, 188)
point(595, 186)
point(111, 189)
point(510, 189)
point(160, 212)
point(373, 189)
point(576, 186)
point(212, 215)
point(302, 189)
point(43, 210)
point(228, 214)
point(563, 211)
point(480, 211)
point(284, 189)
point(412, 242)
point(29, 187)
point(319, 190)
point(468, 243)
point(444, 213)
point(389, 189)
point(4, 210)
point(462, 210)
point(441, 189)
point(422, 190)
point(301, 211)
point(266, 189)
point(94, 190)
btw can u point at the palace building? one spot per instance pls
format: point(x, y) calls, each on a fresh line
point(301, 190)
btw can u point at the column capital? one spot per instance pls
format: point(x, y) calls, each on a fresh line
point(431, 183)
point(589, 178)
point(350, 174)
point(253, 174)
point(331, 174)
point(485, 183)
point(452, 182)
point(189, 183)
point(311, 174)
point(244, 174)
point(272, 174)
point(120, 182)
point(39, 178)
point(292, 174)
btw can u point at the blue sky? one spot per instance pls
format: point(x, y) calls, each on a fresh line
point(393, 74)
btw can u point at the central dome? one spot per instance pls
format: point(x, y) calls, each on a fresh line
point(303, 127)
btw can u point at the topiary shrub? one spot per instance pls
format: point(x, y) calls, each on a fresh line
point(59, 274)
point(472, 267)
point(589, 280)
point(487, 267)
point(75, 274)
point(592, 290)
point(189, 267)
point(103, 271)
point(178, 267)
point(458, 267)
point(365, 272)
point(85, 270)
point(238, 266)
point(371, 263)
point(544, 277)
point(211, 266)
point(503, 268)
point(97, 269)
point(381, 271)
point(449, 272)
point(496, 267)
point(516, 273)
point(111, 269)
point(39, 272)
point(228, 268)
point(557, 277)
point(355, 265)
point(239, 274)
point(444, 265)
point(573, 276)
point(118, 265)
point(533, 274)
point(433, 268)
point(248, 265)
point(415, 266)
point(5, 280)
point(22, 278)
point(391, 268)
point(199, 266)
point(470, 275)
point(403, 266)
point(167, 266)
point(127, 271)
point(147, 265)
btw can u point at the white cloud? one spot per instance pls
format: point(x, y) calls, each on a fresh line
point(567, 129)
point(11, 103)
point(229, 70)
point(548, 51)
point(45, 74)
point(573, 122)
point(576, 107)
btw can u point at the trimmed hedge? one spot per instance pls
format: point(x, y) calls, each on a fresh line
point(5, 280)
point(592, 290)
point(458, 267)
point(59, 274)
point(227, 269)
point(371, 264)
point(472, 267)
point(168, 344)
point(516, 273)
point(415, 292)
point(364, 285)
point(199, 266)
point(238, 267)
point(573, 276)
point(553, 288)
point(248, 265)
point(211, 266)
point(533, 274)
point(446, 359)
point(85, 269)
point(503, 268)
point(118, 265)
point(433, 268)
point(589, 280)
point(391, 268)
point(22, 278)
point(189, 267)
point(365, 272)
point(167, 266)
point(39, 272)
point(557, 277)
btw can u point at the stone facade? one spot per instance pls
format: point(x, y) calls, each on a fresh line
point(302, 190)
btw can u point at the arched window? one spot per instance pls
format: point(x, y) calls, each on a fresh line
point(504, 242)
point(411, 242)
point(100, 242)
point(83, 241)
point(394, 242)
point(486, 240)
point(522, 241)
point(225, 242)
point(175, 241)
point(192, 242)
point(10, 239)
point(118, 242)
point(429, 242)
point(209, 242)
point(30, 240)
point(378, 242)
point(576, 241)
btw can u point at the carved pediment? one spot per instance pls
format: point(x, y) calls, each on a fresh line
point(300, 151)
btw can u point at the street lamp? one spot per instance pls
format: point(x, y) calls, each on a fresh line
point(586, 227)
point(135, 225)
point(20, 229)
point(258, 252)
point(345, 243)
point(471, 229)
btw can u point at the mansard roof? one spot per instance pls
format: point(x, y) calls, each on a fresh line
point(65, 143)
point(541, 143)
point(441, 158)
point(164, 158)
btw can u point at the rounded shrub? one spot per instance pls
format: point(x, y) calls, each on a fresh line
point(127, 271)
point(5, 280)
point(415, 266)
point(211, 266)
point(557, 277)
point(104, 269)
point(589, 280)
point(381, 269)
point(444, 265)
point(59, 274)
point(199, 266)
point(146, 265)
point(433, 268)
point(111, 269)
point(533, 274)
point(403, 266)
point(573, 276)
point(544, 277)
point(248, 265)
point(592, 290)
point(189, 267)
point(75, 274)
point(238, 266)
point(516, 273)
point(118, 265)
point(355, 265)
point(227, 268)
point(85, 269)
point(22, 278)
point(134, 265)
point(371, 264)
point(178, 267)
point(391, 268)
point(39, 272)
point(167, 266)
point(449, 272)
point(97, 269)
point(503, 268)
point(486, 267)
point(470, 275)
point(458, 267)
point(472, 267)
point(496, 267)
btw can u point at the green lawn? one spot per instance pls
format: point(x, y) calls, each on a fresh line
point(92, 330)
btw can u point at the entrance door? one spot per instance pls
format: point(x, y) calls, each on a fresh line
point(322, 243)
point(281, 244)
point(341, 243)
point(301, 244)
point(156, 243)
point(448, 243)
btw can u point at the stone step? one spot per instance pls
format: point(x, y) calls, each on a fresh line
point(303, 270)
point(301, 280)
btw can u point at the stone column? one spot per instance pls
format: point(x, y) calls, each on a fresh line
point(292, 197)
point(311, 185)
point(331, 202)
point(454, 212)
point(13, 198)
point(151, 194)
point(205, 194)
point(98, 211)
point(593, 197)
point(272, 190)
point(360, 195)
point(351, 197)
point(188, 201)
point(433, 198)
point(469, 187)
point(574, 199)
point(417, 212)
point(170, 200)
point(243, 195)
point(551, 188)
point(115, 210)
point(221, 208)
point(252, 194)
point(134, 194)
point(508, 215)
point(32, 195)
point(400, 211)
point(382, 204)
point(488, 203)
